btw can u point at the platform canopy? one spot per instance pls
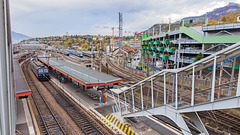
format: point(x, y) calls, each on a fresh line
point(80, 74)
point(21, 87)
point(118, 91)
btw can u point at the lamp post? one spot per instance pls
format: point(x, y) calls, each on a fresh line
point(100, 65)
point(131, 66)
point(92, 53)
point(148, 64)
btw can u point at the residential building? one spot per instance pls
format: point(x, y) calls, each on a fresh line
point(190, 41)
point(115, 41)
point(132, 43)
point(126, 51)
point(238, 18)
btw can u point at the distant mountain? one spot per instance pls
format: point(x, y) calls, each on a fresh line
point(218, 12)
point(17, 37)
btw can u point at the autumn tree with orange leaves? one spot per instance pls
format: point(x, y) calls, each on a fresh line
point(230, 17)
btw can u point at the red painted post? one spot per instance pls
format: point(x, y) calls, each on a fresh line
point(103, 95)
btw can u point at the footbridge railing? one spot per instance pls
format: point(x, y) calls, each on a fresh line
point(207, 84)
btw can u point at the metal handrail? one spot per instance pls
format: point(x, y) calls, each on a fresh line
point(221, 26)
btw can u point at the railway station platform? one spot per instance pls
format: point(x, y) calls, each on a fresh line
point(82, 75)
point(21, 87)
point(24, 123)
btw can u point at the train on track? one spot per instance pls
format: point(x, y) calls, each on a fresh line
point(80, 53)
point(66, 53)
point(76, 53)
point(39, 69)
point(88, 54)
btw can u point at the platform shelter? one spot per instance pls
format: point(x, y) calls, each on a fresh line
point(84, 76)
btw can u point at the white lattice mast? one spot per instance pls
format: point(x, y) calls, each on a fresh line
point(120, 32)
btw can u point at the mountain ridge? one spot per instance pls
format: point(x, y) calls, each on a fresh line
point(217, 12)
point(17, 37)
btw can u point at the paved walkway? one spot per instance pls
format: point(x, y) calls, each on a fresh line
point(24, 123)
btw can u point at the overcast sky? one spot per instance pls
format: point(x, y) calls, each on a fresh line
point(39, 18)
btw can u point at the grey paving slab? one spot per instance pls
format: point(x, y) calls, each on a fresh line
point(22, 129)
point(21, 117)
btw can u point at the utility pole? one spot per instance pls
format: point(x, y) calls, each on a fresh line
point(179, 47)
point(100, 65)
point(135, 42)
point(112, 39)
point(92, 55)
point(107, 66)
point(160, 29)
point(169, 24)
point(153, 31)
point(147, 64)
point(92, 52)
point(131, 63)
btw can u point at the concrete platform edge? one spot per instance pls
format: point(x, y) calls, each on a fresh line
point(37, 131)
point(28, 118)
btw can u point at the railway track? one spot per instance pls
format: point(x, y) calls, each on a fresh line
point(79, 116)
point(223, 119)
point(139, 78)
point(136, 77)
point(49, 124)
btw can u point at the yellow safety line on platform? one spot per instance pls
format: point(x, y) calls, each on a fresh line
point(110, 126)
point(115, 120)
point(111, 119)
point(118, 124)
point(125, 129)
point(122, 127)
